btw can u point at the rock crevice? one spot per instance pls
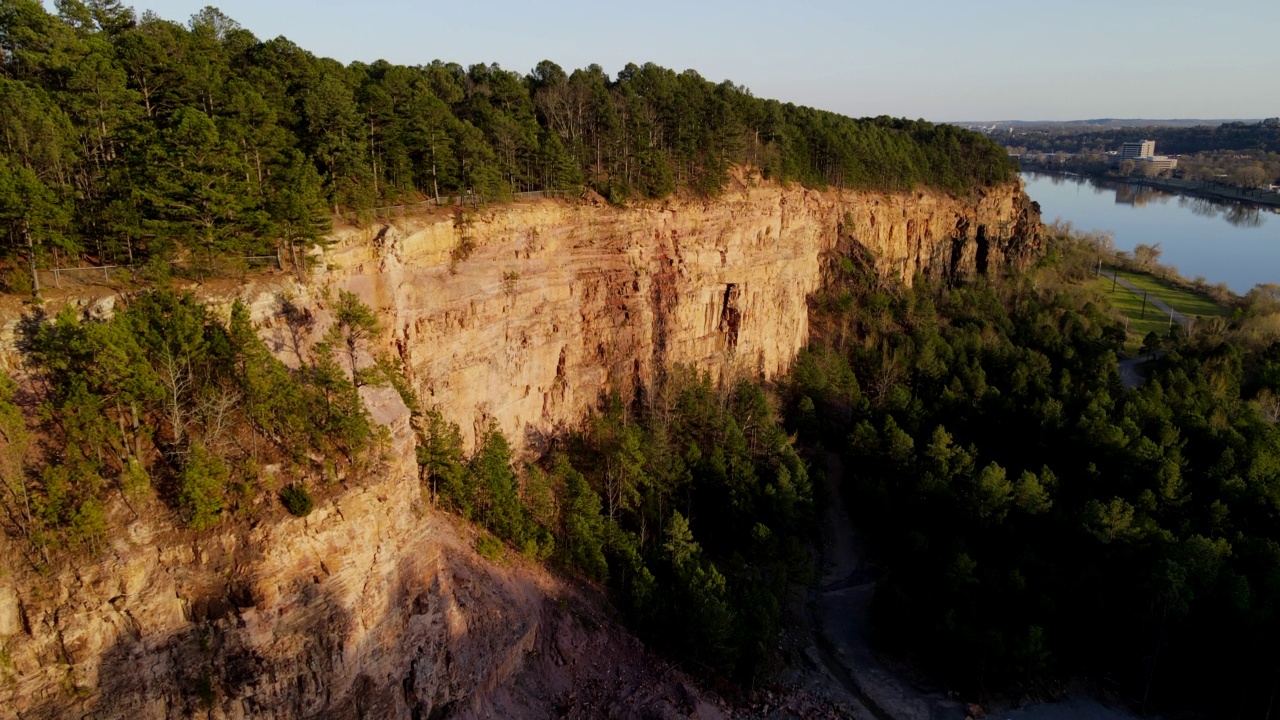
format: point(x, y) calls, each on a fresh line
point(376, 605)
point(607, 297)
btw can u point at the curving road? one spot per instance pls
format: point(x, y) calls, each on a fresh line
point(1129, 375)
point(1129, 368)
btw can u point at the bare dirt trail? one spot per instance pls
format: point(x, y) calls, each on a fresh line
point(840, 616)
point(840, 623)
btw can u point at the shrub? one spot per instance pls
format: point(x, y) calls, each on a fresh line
point(18, 280)
point(134, 479)
point(201, 486)
point(490, 548)
point(297, 499)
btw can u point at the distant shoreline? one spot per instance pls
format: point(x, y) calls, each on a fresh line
point(1181, 187)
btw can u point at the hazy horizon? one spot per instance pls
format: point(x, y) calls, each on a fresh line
point(929, 59)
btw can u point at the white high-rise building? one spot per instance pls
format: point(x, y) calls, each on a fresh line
point(1137, 149)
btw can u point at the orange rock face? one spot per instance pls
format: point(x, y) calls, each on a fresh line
point(376, 605)
point(558, 303)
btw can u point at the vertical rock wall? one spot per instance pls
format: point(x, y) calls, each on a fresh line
point(376, 605)
point(556, 303)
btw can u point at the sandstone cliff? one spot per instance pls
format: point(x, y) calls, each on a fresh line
point(375, 605)
point(557, 303)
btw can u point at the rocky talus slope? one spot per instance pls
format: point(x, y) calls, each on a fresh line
point(376, 605)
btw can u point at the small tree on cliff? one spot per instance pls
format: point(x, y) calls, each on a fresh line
point(441, 462)
point(354, 324)
point(497, 494)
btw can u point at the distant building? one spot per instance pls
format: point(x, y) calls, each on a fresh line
point(1137, 149)
point(1151, 165)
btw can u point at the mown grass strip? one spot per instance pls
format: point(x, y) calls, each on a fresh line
point(1184, 301)
point(1130, 306)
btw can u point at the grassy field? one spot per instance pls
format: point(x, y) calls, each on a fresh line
point(1184, 301)
point(1130, 306)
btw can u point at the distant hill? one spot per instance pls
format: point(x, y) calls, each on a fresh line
point(1191, 136)
point(1100, 123)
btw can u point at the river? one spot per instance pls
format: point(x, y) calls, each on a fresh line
point(1225, 242)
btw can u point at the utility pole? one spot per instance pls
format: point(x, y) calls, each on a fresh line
point(1144, 306)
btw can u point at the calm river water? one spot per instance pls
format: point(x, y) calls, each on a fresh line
point(1223, 241)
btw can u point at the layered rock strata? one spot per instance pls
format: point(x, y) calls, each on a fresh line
point(376, 605)
point(527, 314)
point(373, 606)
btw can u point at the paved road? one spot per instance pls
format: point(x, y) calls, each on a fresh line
point(1129, 368)
point(1154, 301)
point(1129, 376)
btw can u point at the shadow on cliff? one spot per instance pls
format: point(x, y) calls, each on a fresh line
point(431, 639)
point(209, 663)
point(437, 633)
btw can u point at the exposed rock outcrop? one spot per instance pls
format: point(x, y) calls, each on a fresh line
point(376, 605)
point(557, 303)
point(373, 606)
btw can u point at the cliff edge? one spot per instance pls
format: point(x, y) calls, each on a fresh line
point(376, 605)
point(528, 313)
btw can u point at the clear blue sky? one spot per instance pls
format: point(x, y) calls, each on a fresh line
point(990, 59)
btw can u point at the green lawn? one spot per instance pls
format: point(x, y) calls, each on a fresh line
point(1130, 306)
point(1184, 301)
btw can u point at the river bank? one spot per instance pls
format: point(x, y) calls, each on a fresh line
point(1190, 188)
point(1219, 245)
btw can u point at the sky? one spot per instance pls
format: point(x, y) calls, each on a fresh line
point(932, 59)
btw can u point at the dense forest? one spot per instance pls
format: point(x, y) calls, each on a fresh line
point(132, 139)
point(1033, 519)
point(692, 505)
point(1261, 136)
point(161, 400)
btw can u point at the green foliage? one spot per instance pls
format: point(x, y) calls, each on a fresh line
point(495, 495)
point(202, 486)
point(15, 444)
point(490, 548)
point(133, 139)
point(297, 499)
point(390, 369)
point(354, 323)
point(1027, 507)
point(442, 464)
point(164, 396)
point(1238, 136)
point(582, 525)
point(694, 508)
point(134, 478)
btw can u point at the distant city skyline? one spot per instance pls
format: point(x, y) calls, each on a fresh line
point(942, 61)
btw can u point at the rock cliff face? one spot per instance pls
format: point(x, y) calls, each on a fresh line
point(557, 303)
point(375, 605)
